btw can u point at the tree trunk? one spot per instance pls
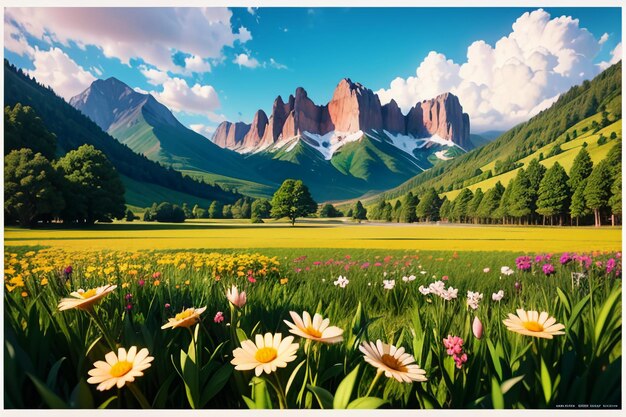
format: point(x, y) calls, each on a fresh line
point(293, 221)
point(612, 219)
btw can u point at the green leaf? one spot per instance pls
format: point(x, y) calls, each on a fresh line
point(260, 394)
point(495, 358)
point(81, 396)
point(324, 398)
point(344, 391)
point(546, 382)
point(107, 402)
point(577, 310)
point(49, 397)
point(366, 403)
point(564, 300)
point(293, 376)
point(51, 381)
point(216, 383)
point(251, 404)
point(510, 383)
point(190, 378)
point(496, 395)
point(241, 335)
point(606, 310)
point(161, 397)
point(331, 372)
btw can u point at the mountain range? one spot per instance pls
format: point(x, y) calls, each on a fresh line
point(350, 146)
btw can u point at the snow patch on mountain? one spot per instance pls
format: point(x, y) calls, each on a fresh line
point(330, 143)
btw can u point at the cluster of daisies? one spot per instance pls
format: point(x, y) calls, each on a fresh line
point(268, 352)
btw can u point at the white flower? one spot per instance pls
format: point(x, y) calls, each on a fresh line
point(473, 299)
point(342, 281)
point(437, 288)
point(506, 270)
point(450, 293)
point(409, 278)
point(497, 296)
point(119, 369)
point(393, 361)
point(267, 353)
point(388, 284)
point(486, 270)
point(423, 272)
point(424, 290)
point(317, 328)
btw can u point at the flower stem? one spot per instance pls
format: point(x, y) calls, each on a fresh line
point(378, 374)
point(139, 396)
point(100, 326)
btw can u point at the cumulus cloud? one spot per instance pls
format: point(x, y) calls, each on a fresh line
point(502, 85)
point(205, 130)
point(56, 69)
point(196, 64)
point(150, 34)
point(244, 60)
point(154, 76)
point(616, 56)
point(181, 98)
point(15, 41)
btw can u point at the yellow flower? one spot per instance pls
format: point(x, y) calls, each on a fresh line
point(267, 354)
point(283, 281)
point(44, 281)
point(119, 369)
point(393, 361)
point(317, 329)
point(125, 284)
point(24, 294)
point(531, 323)
point(85, 299)
point(156, 283)
point(185, 318)
point(187, 282)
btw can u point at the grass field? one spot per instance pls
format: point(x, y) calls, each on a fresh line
point(226, 234)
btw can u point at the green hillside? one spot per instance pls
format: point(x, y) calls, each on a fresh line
point(576, 109)
point(73, 129)
point(140, 195)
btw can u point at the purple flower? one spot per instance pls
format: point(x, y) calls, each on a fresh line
point(68, 270)
point(129, 307)
point(129, 297)
point(548, 269)
point(518, 286)
point(523, 263)
point(565, 258)
point(610, 265)
point(365, 265)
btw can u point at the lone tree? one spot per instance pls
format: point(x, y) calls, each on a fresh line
point(292, 200)
point(95, 190)
point(359, 213)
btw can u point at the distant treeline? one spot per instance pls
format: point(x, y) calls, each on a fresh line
point(535, 196)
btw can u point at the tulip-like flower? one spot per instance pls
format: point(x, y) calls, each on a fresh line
point(477, 328)
point(235, 297)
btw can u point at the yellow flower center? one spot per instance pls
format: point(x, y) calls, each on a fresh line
point(533, 326)
point(184, 314)
point(393, 363)
point(266, 354)
point(120, 369)
point(313, 332)
point(89, 293)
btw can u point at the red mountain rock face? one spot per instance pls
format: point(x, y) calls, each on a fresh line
point(352, 108)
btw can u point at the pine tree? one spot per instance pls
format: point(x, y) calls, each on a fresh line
point(397, 209)
point(598, 190)
point(535, 172)
point(445, 210)
point(429, 205)
point(387, 214)
point(490, 202)
point(194, 211)
point(461, 203)
point(520, 198)
point(554, 193)
point(503, 208)
point(578, 208)
point(472, 207)
point(216, 210)
point(409, 203)
point(359, 213)
point(581, 169)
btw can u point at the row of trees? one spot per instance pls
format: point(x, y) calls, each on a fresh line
point(536, 195)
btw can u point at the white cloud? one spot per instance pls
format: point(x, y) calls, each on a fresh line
point(141, 90)
point(616, 56)
point(56, 69)
point(244, 60)
point(603, 38)
point(252, 10)
point(15, 41)
point(277, 65)
point(96, 70)
point(154, 76)
point(181, 98)
point(502, 85)
point(150, 34)
point(196, 64)
point(205, 130)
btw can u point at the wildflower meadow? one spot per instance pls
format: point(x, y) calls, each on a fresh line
point(321, 329)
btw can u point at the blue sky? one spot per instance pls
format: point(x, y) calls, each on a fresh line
point(261, 53)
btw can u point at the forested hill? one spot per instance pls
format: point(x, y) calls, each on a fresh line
point(73, 129)
point(591, 98)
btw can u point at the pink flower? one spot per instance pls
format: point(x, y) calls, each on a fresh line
point(167, 305)
point(365, 265)
point(251, 279)
point(316, 263)
point(142, 282)
point(68, 270)
point(219, 317)
point(129, 307)
point(460, 360)
point(477, 328)
point(156, 275)
point(454, 348)
point(235, 297)
point(298, 270)
point(378, 264)
point(444, 278)
point(548, 269)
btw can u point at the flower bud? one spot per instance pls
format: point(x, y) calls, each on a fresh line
point(477, 328)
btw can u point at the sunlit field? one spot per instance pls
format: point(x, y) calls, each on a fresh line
point(221, 234)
